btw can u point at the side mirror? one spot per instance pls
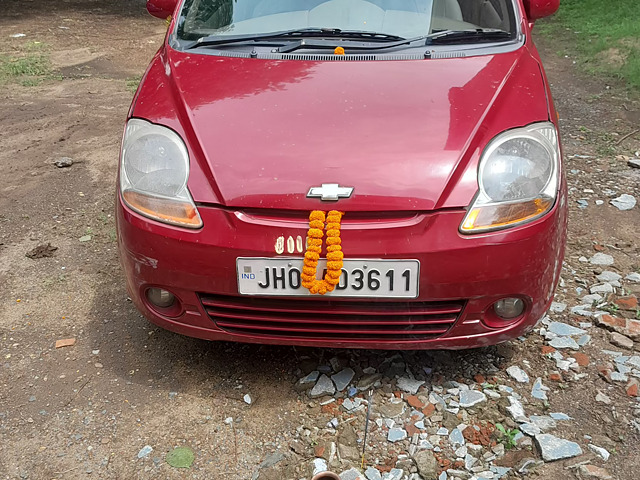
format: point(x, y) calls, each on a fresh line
point(161, 8)
point(537, 9)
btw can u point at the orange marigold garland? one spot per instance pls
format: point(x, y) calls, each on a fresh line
point(314, 249)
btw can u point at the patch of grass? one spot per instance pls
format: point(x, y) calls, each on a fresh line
point(29, 68)
point(133, 82)
point(607, 36)
point(31, 81)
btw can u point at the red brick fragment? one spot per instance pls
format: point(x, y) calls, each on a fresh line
point(555, 377)
point(546, 349)
point(429, 409)
point(627, 303)
point(479, 378)
point(482, 436)
point(612, 322)
point(415, 402)
point(632, 388)
point(330, 408)
point(319, 450)
point(411, 429)
point(390, 462)
point(581, 358)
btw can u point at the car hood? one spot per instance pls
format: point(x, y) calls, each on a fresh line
point(406, 135)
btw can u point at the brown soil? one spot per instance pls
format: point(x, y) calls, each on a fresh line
point(86, 410)
point(613, 57)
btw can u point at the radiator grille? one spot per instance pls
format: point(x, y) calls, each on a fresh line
point(331, 319)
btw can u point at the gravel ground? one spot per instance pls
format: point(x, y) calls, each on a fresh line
point(118, 396)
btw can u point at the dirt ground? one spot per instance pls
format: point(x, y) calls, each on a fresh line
point(85, 411)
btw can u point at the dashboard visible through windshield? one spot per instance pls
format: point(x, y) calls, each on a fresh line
point(401, 19)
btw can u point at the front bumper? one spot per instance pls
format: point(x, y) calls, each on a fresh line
point(460, 278)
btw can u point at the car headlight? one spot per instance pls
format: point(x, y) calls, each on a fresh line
point(154, 169)
point(517, 178)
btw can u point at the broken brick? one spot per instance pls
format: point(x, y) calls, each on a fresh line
point(415, 402)
point(611, 322)
point(480, 436)
point(632, 388)
point(581, 358)
point(429, 409)
point(411, 429)
point(330, 408)
point(546, 349)
point(627, 303)
point(555, 377)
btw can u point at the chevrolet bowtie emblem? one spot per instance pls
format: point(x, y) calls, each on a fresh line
point(330, 192)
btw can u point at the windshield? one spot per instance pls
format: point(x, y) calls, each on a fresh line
point(401, 18)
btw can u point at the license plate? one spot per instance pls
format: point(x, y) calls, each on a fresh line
point(360, 277)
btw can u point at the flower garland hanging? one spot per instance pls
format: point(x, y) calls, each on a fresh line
point(314, 249)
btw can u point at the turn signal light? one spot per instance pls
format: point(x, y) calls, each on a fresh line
point(504, 214)
point(176, 212)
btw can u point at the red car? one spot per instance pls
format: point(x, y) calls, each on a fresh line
point(344, 173)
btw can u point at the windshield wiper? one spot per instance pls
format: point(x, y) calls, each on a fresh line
point(219, 40)
point(381, 45)
point(317, 38)
point(456, 36)
point(443, 36)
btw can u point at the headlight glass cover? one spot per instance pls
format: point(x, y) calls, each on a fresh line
point(518, 178)
point(154, 169)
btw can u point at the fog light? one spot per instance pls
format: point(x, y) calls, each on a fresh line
point(509, 308)
point(160, 297)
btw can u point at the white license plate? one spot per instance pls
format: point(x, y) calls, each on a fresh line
point(360, 277)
